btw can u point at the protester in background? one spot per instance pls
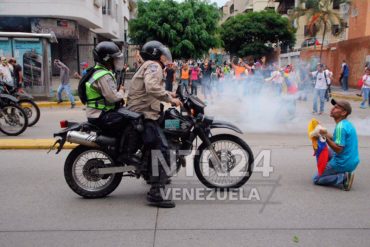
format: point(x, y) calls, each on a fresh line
point(85, 66)
point(304, 81)
point(170, 75)
point(185, 75)
point(194, 79)
point(277, 80)
point(226, 70)
point(5, 72)
point(329, 74)
point(344, 76)
point(206, 81)
point(17, 73)
point(64, 82)
point(365, 89)
point(320, 79)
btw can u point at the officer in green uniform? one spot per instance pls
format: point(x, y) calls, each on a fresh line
point(101, 88)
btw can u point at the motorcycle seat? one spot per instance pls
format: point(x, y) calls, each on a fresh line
point(130, 114)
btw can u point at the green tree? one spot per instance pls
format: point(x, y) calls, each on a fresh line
point(188, 28)
point(256, 33)
point(320, 15)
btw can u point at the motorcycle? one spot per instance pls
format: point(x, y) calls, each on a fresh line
point(13, 120)
point(25, 101)
point(93, 169)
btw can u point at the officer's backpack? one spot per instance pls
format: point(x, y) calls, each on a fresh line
point(82, 84)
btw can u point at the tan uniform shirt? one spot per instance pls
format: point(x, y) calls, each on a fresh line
point(108, 88)
point(145, 92)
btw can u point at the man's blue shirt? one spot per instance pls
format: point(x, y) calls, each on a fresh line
point(345, 136)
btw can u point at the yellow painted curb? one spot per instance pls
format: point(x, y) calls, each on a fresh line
point(55, 104)
point(348, 97)
point(31, 144)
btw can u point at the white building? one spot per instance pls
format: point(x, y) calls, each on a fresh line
point(234, 7)
point(78, 24)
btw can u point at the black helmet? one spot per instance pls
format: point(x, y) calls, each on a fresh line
point(106, 51)
point(153, 50)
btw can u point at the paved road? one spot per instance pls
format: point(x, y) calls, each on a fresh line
point(38, 209)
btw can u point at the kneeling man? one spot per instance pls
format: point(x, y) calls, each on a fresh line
point(344, 149)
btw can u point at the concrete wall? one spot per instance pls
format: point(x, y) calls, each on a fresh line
point(354, 51)
point(359, 19)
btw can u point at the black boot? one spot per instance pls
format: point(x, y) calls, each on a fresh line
point(154, 198)
point(168, 181)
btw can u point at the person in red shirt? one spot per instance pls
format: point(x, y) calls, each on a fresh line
point(194, 79)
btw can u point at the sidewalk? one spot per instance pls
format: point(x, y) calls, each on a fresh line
point(337, 92)
point(31, 144)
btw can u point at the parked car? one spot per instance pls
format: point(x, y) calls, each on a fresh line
point(310, 42)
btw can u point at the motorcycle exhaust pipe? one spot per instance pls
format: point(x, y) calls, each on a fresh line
point(90, 140)
point(82, 138)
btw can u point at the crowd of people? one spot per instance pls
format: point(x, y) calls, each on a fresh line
point(290, 82)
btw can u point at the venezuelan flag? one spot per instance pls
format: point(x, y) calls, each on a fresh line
point(322, 156)
point(291, 86)
point(321, 150)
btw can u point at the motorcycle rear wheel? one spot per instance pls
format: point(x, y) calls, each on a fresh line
point(13, 120)
point(81, 178)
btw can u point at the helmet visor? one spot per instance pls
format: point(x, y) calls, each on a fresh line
point(118, 62)
point(166, 53)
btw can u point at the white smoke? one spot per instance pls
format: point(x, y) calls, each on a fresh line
point(256, 107)
point(362, 126)
point(262, 110)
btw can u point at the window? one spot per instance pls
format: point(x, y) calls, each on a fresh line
point(107, 7)
point(308, 32)
point(232, 9)
point(116, 11)
point(336, 4)
point(335, 29)
point(284, 6)
point(311, 4)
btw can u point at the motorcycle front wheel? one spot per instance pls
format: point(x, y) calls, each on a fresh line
point(31, 109)
point(236, 162)
point(80, 173)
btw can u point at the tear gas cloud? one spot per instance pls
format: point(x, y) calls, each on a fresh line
point(255, 106)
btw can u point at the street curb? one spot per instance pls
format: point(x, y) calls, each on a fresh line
point(347, 97)
point(55, 104)
point(7, 144)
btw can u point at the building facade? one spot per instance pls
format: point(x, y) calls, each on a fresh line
point(352, 45)
point(234, 7)
point(303, 36)
point(77, 24)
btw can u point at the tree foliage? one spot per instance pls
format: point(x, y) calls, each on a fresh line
point(256, 33)
point(188, 28)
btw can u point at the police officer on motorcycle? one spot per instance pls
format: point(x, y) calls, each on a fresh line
point(101, 88)
point(145, 96)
